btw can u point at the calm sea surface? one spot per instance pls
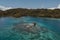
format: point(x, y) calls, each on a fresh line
point(7, 23)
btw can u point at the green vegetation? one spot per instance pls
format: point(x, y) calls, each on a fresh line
point(18, 12)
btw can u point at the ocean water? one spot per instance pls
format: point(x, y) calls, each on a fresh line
point(7, 23)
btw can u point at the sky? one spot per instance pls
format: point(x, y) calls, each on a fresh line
point(29, 3)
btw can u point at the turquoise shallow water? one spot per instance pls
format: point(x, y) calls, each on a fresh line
point(7, 23)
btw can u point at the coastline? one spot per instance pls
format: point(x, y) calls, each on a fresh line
point(20, 12)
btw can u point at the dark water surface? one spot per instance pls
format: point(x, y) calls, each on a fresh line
point(7, 23)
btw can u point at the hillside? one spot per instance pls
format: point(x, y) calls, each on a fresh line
point(19, 12)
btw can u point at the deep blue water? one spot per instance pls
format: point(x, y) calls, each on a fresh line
point(49, 23)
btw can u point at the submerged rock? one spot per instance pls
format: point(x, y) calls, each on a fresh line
point(28, 27)
point(30, 31)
